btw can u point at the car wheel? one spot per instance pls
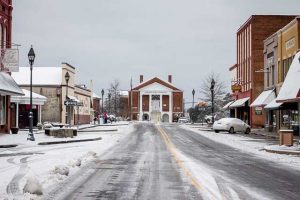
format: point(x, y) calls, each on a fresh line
point(247, 131)
point(231, 130)
point(216, 131)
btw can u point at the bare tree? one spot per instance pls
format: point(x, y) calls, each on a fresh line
point(217, 92)
point(115, 96)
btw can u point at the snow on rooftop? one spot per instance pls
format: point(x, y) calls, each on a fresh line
point(291, 84)
point(40, 76)
point(96, 96)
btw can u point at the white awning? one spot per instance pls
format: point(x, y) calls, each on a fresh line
point(264, 98)
point(272, 105)
point(239, 103)
point(227, 105)
point(73, 98)
point(8, 85)
point(37, 99)
point(289, 91)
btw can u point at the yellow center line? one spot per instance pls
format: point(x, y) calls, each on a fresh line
point(177, 159)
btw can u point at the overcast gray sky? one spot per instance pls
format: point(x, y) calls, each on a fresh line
point(119, 39)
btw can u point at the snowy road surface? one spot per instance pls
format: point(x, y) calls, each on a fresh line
point(168, 162)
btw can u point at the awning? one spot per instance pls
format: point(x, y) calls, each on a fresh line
point(264, 98)
point(73, 98)
point(289, 91)
point(272, 105)
point(227, 105)
point(239, 103)
point(37, 99)
point(8, 85)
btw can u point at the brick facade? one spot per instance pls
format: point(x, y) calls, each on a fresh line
point(168, 98)
point(250, 58)
point(6, 40)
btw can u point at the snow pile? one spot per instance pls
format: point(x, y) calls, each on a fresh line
point(61, 169)
point(33, 186)
point(89, 156)
point(75, 162)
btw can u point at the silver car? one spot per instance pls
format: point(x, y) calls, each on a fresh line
point(231, 125)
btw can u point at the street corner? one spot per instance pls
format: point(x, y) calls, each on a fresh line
point(283, 149)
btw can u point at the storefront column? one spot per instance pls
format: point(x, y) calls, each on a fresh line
point(170, 111)
point(17, 115)
point(40, 114)
point(141, 107)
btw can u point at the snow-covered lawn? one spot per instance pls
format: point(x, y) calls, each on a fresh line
point(49, 164)
point(248, 144)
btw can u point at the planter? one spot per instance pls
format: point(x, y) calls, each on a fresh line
point(14, 130)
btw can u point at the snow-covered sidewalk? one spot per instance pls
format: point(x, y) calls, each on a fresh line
point(252, 145)
point(39, 168)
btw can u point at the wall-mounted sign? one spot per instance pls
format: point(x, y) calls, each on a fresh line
point(258, 110)
point(10, 59)
point(236, 87)
point(290, 43)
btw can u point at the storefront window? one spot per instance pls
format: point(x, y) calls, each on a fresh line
point(289, 118)
point(2, 110)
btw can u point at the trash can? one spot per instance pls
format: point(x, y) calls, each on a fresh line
point(286, 137)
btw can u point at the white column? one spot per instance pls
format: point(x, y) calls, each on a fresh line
point(160, 103)
point(150, 103)
point(40, 114)
point(17, 114)
point(170, 108)
point(161, 106)
point(141, 107)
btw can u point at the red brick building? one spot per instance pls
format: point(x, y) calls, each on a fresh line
point(8, 86)
point(250, 59)
point(156, 100)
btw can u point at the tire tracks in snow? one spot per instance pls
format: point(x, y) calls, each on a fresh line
point(12, 188)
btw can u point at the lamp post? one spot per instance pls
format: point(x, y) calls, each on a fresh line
point(193, 93)
point(109, 96)
point(102, 92)
point(31, 57)
point(212, 86)
point(67, 78)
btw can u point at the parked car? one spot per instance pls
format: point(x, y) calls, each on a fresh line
point(231, 125)
point(183, 120)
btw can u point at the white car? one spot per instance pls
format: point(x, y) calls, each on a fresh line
point(183, 120)
point(231, 125)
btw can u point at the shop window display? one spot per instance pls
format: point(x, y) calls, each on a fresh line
point(2, 110)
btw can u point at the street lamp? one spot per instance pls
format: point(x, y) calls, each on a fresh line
point(109, 96)
point(193, 93)
point(212, 86)
point(31, 57)
point(67, 78)
point(102, 92)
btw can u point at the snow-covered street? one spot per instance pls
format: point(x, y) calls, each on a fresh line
point(148, 161)
point(48, 165)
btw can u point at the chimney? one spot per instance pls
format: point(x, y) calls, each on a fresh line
point(141, 78)
point(170, 78)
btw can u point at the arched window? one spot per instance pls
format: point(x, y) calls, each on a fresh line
point(4, 38)
point(1, 36)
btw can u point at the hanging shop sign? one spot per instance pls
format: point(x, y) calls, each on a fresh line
point(10, 59)
point(258, 110)
point(236, 87)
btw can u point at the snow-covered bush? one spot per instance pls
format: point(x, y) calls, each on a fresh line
point(33, 186)
point(62, 170)
point(76, 162)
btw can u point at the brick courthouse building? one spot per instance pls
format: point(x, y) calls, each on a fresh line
point(156, 100)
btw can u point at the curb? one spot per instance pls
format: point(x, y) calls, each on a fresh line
point(282, 152)
point(8, 145)
point(109, 130)
point(69, 141)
